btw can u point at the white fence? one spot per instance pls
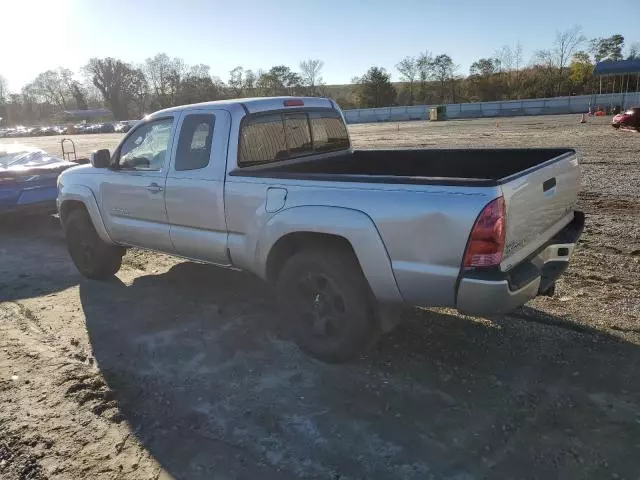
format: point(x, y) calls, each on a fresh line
point(508, 108)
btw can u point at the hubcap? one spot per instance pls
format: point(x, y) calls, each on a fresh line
point(320, 304)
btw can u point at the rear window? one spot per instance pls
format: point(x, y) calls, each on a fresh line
point(262, 140)
point(280, 136)
point(328, 131)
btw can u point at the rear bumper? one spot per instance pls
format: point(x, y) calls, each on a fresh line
point(46, 207)
point(491, 292)
point(32, 199)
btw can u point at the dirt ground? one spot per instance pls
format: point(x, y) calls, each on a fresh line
point(180, 370)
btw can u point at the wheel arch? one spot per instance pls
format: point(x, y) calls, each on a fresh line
point(78, 196)
point(312, 226)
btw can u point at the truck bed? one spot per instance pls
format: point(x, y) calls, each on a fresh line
point(428, 166)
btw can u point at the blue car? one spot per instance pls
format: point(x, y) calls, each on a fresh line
point(28, 180)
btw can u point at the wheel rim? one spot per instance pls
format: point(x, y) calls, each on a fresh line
point(320, 305)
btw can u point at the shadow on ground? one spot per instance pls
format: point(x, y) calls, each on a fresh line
point(203, 371)
point(40, 240)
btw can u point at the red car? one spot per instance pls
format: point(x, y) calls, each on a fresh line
point(629, 119)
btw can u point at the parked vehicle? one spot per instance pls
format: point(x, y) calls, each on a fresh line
point(124, 126)
point(28, 180)
point(346, 236)
point(45, 131)
point(630, 119)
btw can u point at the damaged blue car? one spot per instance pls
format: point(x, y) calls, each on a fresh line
point(28, 179)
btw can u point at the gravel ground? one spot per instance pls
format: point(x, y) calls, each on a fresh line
point(181, 370)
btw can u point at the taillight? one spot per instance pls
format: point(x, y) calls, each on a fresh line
point(486, 242)
point(293, 103)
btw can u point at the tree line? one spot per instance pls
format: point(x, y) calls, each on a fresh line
point(130, 91)
point(566, 68)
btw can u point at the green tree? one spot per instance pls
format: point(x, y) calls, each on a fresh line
point(444, 70)
point(374, 89)
point(580, 71)
point(608, 48)
point(485, 67)
point(483, 82)
point(279, 80)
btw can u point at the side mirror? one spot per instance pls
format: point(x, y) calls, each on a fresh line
point(101, 158)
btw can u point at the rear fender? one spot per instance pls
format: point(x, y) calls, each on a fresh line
point(83, 194)
point(353, 225)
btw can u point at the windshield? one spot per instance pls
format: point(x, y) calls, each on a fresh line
point(19, 156)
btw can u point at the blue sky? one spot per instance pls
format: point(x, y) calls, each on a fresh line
point(348, 35)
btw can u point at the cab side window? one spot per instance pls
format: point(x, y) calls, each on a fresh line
point(194, 143)
point(146, 147)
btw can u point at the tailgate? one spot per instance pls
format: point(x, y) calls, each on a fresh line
point(539, 201)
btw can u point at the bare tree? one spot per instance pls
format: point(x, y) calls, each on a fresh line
point(139, 92)
point(510, 62)
point(506, 58)
point(408, 68)
point(310, 74)
point(566, 45)
point(557, 59)
point(236, 81)
point(426, 72)
point(249, 82)
point(54, 87)
point(116, 81)
point(164, 75)
point(633, 53)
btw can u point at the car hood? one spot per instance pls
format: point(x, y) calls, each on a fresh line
point(17, 160)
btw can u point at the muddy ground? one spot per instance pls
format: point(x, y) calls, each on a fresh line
point(180, 370)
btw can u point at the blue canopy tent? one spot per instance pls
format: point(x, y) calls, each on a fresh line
point(625, 71)
point(619, 68)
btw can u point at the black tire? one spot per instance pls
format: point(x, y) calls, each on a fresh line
point(93, 258)
point(615, 125)
point(328, 304)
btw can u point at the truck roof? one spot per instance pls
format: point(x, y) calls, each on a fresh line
point(253, 105)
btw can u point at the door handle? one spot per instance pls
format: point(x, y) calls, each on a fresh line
point(155, 188)
point(549, 184)
point(549, 187)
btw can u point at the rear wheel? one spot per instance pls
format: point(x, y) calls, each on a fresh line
point(93, 258)
point(327, 301)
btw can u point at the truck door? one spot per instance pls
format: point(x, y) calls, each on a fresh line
point(133, 194)
point(195, 187)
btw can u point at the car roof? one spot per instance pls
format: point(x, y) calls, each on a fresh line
point(250, 105)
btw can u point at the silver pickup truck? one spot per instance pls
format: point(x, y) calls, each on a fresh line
point(272, 186)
